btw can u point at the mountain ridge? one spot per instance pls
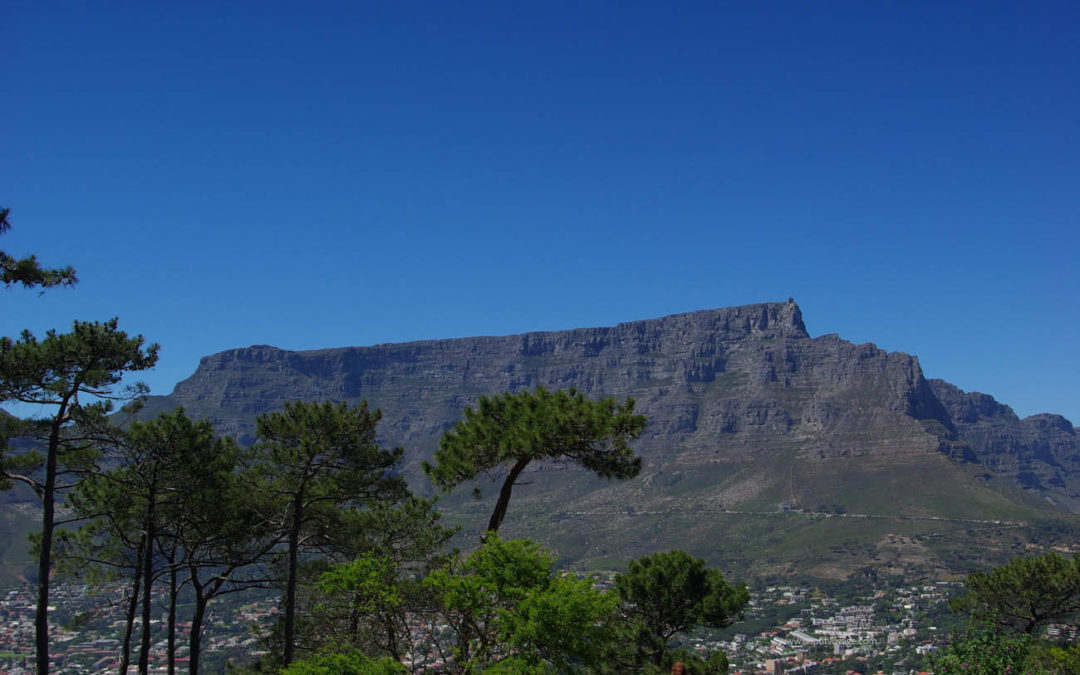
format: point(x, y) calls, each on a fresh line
point(701, 343)
point(747, 414)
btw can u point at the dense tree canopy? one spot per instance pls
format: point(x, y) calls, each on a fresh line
point(985, 652)
point(141, 508)
point(352, 663)
point(504, 608)
point(315, 460)
point(509, 431)
point(512, 613)
point(89, 362)
point(374, 599)
point(1024, 594)
point(28, 271)
point(668, 593)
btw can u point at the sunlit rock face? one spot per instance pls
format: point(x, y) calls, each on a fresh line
point(717, 386)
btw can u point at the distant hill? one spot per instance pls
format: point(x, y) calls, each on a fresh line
point(765, 447)
point(767, 451)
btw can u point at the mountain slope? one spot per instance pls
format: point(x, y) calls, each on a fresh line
point(756, 432)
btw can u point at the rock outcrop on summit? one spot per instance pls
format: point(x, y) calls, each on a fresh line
point(1040, 452)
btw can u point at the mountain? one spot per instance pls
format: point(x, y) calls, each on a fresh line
point(766, 448)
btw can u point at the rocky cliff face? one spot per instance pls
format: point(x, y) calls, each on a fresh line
point(747, 414)
point(724, 383)
point(1041, 452)
point(700, 377)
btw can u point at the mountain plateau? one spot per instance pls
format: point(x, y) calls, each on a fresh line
point(767, 450)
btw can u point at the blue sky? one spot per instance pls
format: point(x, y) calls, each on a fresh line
point(327, 174)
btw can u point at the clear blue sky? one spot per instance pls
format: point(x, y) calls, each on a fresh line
point(327, 174)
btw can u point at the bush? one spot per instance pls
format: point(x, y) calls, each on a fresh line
point(985, 652)
point(353, 663)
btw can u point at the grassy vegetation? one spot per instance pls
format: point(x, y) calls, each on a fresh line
point(17, 521)
point(922, 516)
point(598, 524)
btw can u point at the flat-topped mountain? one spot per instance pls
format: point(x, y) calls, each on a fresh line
point(754, 428)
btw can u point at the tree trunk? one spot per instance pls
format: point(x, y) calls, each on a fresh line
point(504, 498)
point(48, 523)
point(133, 605)
point(195, 643)
point(290, 582)
point(41, 618)
point(147, 574)
point(391, 637)
point(172, 613)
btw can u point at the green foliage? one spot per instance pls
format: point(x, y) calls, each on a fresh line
point(517, 665)
point(326, 453)
point(353, 663)
point(17, 463)
point(369, 581)
point(316, 461)
point(1012, 602)
point(151, 466)
point(539, 425)
point(369, 602)
point(509, 431)
point(512, 613)
point(410, 532)
point(363, 605)
point(1024, 594)
point(564, 626)
point(28, 271)
point(668, 593)
point(91, 359)
point(983, 652)
point(142, 508)
point(1054, 659)
point(88, 362)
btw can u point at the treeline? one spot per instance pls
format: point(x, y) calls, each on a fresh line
point(1013, 610)
point(182, 509)
point(316, 509)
